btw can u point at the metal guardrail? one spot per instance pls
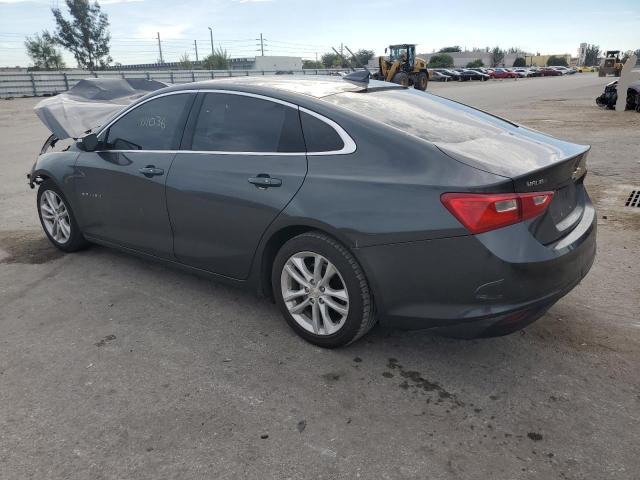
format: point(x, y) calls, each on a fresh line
point(36, 84)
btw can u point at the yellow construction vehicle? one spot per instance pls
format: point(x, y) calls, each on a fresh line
point(610, 64)
point(403, 67)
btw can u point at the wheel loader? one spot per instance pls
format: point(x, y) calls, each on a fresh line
point(403, 67)
point(610, 64)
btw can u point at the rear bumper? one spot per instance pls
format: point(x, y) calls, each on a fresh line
point(472, 282)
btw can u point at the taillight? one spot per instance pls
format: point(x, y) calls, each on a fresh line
point(481, 212)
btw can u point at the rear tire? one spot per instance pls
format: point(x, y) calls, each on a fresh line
point(401, 78)
point(57, 219)
point(328, 301)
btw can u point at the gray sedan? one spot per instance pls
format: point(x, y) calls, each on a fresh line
point(344, 203)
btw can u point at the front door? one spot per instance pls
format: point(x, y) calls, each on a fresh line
point(246, 160)
point(121, 187)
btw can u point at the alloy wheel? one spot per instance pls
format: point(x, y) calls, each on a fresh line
point(314, 293)
point(55, 217)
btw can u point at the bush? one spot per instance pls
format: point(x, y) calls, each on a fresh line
point(497, 57)
point(312, 64)
point(218, 60)
point(475, 64)
point(519, 62)
point(441, 61)
point(185, 62)
point(557, 61)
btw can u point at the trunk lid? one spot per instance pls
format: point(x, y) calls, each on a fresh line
point(536, 163)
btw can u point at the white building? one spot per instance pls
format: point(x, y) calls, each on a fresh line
point(582, 53)
point(278, 63)
point(267, 63)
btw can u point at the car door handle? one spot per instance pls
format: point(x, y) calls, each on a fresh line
point(151, 171)
point(265, 181)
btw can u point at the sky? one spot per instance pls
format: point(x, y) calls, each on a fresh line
point(306, 28)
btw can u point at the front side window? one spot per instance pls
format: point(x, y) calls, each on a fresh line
point(239, 123)
point(154, 125)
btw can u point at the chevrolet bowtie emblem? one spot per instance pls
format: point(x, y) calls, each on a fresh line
point(576, 173)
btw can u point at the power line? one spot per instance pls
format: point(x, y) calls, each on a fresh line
point(152, 48)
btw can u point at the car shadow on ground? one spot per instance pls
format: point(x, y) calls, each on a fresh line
point(32, 247)
point(197, 294)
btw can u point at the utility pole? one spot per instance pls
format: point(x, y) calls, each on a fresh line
point(195, 45)
point(261, 46)
point(160, 48)
point(211, 36)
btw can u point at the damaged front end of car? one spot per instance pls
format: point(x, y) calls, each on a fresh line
point(78, 112)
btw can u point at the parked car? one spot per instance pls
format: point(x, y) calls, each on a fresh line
point(450, 72)
point(436, 76)
point(466, 74)
point(585, 68)
point(549, 72)
point(310, 192)
point(525, 72)
point(503, 73)
point(561, 69)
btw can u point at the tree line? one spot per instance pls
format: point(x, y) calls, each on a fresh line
point(443, 60)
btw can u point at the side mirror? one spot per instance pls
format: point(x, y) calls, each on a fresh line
point(385, 50)
point(90, 142)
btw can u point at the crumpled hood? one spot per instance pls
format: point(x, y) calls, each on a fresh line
point(90, 103)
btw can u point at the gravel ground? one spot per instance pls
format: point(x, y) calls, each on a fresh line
point(112, 367)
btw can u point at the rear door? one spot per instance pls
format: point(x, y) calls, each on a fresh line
point(121, 187)
point(243, 162)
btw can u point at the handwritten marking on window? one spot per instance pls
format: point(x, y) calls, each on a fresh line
point(155, 121)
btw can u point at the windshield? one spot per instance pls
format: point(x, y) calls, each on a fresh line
point(401, 53)
point(396, 52)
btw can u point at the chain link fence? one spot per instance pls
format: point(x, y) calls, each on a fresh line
point(36, 84)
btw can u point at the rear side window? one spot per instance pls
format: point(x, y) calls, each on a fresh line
point(239, 123)
point(319, 136)
point(423, 115)
point(154, 125)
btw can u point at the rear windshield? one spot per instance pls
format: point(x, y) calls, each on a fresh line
point(424, 115)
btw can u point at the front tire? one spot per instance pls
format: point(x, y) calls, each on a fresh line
point(421, 81)
point(57, 219)
point(322, 291)
point(401, 78)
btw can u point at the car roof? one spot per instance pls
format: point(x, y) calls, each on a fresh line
point(271, 85)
